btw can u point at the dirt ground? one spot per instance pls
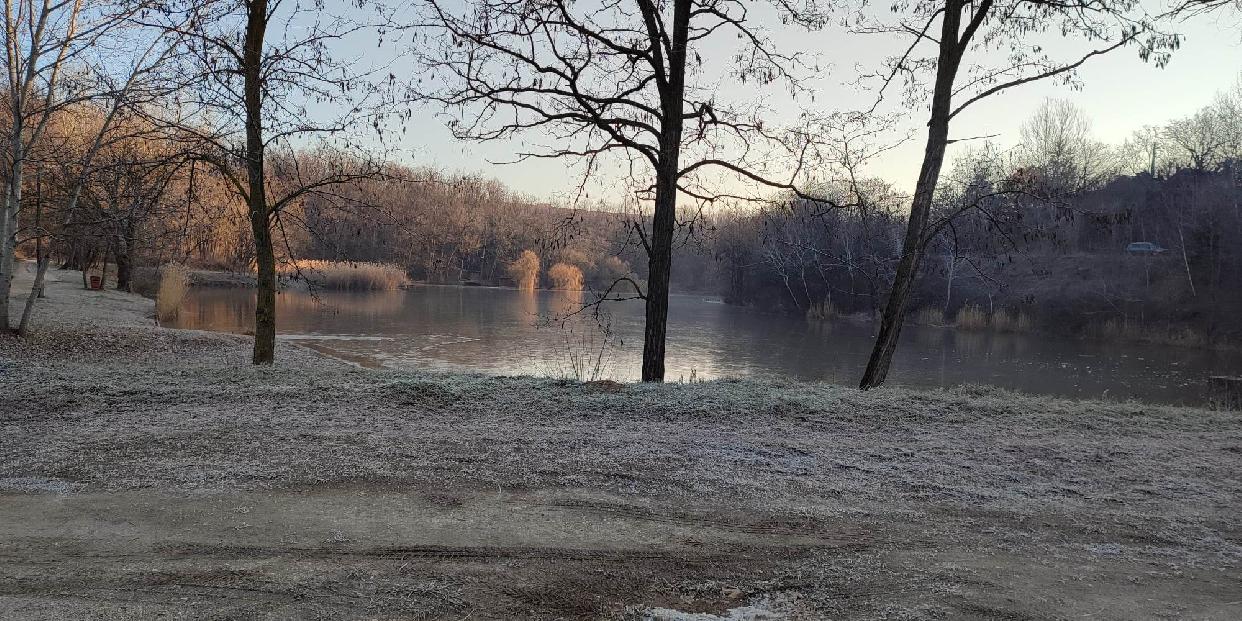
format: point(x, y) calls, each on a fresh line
point(149, 473)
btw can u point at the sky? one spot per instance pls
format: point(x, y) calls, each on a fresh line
point(1120, 93)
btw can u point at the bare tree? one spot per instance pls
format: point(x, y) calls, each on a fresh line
point(952, 41)
point(1057, 142)
point(136, 83)
point(253, 99)
point(1204, 138)
point(46, 44)
point(623, 84)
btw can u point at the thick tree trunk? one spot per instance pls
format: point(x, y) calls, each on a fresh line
point(260, 215)
point(265, 292)
point(913, 247)
point(659, 264)
point(664, 220)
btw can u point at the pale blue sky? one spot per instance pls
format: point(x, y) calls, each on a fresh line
point(1120, 94)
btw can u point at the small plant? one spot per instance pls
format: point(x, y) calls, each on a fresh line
point(524, 270)
point(565, 277)
point(971, 317)
point(588, 350)
point(174, 285)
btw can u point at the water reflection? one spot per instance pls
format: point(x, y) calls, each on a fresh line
point(507, 331)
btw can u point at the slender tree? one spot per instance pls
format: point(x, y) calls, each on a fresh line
point(950, 59)
point(254, 99)
point(118, 91)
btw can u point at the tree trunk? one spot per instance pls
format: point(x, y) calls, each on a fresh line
point(87, 261)
point(912, 248)
point(103, 271)
point(659, 263)
point(41, 262)
point(124, 260)
point(1190, 280)
point(664, 220)
point(8, 241)
point(36, 292)
point(948, 289)
point(260, 216)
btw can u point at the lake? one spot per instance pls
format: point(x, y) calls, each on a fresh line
point(510, 332)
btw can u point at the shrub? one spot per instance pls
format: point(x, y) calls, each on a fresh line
point(524, 270)
point(565, 277)
point(348, 275)
point(971, 317)
point(174, 285)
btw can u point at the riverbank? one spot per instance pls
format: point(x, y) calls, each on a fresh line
point(151, 472)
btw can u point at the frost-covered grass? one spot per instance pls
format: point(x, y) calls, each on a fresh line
point(770, 442)
point(941, 492)
point(312, 419)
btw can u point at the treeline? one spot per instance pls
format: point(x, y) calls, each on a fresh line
point(454, 229)
point(1039, 232)
point(144, 202)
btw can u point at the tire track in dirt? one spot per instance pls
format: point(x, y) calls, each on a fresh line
point(488, 553)
point(827, 535)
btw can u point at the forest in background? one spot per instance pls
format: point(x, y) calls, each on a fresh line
point(1036, 239)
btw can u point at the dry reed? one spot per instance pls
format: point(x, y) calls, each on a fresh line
point(929, 316)
point(1002, 321)
point(821, 311)
point(347, 275)
point(1023, 322)
point(524, 270)
point(565, 277)
point(174, 285)
point(971, 317)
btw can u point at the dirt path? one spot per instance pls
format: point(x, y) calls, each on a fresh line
point(149, 473)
